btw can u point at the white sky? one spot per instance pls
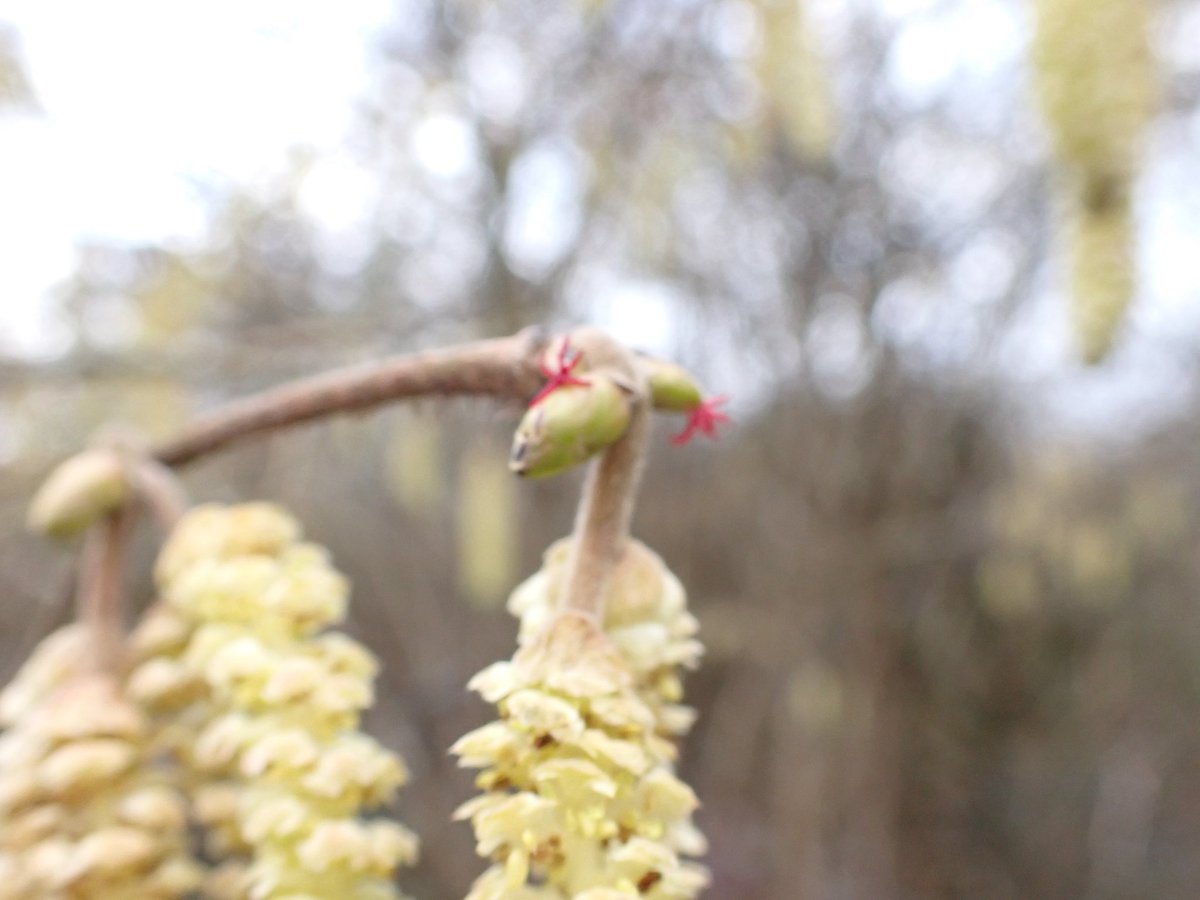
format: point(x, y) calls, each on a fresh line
point(147, 102)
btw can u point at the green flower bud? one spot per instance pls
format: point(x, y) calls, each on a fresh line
point(567, 426)
point(672, 388)
point(79, 492)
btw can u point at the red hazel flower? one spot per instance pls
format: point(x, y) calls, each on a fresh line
point(704, 419)
point(567, 361)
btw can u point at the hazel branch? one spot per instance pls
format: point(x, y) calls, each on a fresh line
point(511, 368)
point(563, 428)
point(100, 492)
point(100, 587)
point(602, 524)
point(502, 367)
point(156, 486)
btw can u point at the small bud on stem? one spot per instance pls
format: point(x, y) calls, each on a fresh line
point(79, 492)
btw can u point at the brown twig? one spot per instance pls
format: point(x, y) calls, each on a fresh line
point(157, 487)
point(100, 586)
point(502, 367)
point(602, 523)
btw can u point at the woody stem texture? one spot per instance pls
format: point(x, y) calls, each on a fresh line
point(605, 512)
point(100, 586)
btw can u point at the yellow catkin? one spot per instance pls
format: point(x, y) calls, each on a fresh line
point(1095, 77)
point(646, 617)
point(580, 800)
point(1103, 275)
point(794, 78)
point(262, 704)
point(85, 813)
point(1096, 81)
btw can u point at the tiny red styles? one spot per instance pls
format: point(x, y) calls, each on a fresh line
point(704, 419)
point(560, 377)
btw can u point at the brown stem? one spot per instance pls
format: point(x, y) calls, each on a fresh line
point(158, 488)
point(100, 587)
point(605, 512)
point(502, 367)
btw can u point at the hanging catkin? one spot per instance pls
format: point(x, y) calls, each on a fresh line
point(795, 80)
point(1096, 81)
point(85, 813)
point(579, 799)
point(282, 773)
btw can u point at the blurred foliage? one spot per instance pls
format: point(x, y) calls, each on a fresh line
point(415, 467)
point(952, 652)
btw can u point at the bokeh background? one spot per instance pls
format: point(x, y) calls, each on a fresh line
point(945, 560)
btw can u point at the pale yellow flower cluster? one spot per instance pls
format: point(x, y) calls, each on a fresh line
point(84, 813)
point(1102, 246)
point(646, 617)
point(266, 709)
point(1097, 80)
point(580, 797)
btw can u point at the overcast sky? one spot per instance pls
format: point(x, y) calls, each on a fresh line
point(147, 102)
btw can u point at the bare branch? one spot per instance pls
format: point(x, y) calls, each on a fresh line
point(503, 367)
point(157, 486)
point(605, 511)
point(100, 588)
